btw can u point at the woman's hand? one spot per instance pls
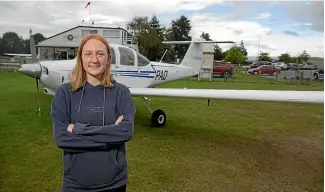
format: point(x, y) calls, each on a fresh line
point(70, 127)
point(119, 119)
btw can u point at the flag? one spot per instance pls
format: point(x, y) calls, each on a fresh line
point(87, 4)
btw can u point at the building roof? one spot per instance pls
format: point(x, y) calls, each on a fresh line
point(91, 27)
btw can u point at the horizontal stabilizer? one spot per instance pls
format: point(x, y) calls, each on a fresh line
point(189, 42)
point(259, 95)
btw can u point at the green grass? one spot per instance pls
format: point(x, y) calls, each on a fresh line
point(227, 146)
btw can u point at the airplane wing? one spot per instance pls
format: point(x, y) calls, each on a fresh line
point(198, 41)
point(259, 95)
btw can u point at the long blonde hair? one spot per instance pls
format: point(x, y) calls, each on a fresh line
point(78, 74)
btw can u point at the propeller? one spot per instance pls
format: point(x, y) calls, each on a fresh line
point(38, 71)
point(38, 100)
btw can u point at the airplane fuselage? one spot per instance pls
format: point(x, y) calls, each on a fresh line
point(55, 73)
point(127, 67)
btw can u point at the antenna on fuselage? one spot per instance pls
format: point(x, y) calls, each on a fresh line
point(163, 55)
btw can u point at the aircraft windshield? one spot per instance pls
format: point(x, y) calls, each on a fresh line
point(142, 61)
point(126, 56)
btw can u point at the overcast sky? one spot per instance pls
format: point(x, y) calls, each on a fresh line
point(282, 27)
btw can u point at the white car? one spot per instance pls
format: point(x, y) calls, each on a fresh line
point(280, 65)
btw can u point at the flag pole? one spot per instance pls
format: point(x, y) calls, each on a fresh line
point(88, 6)
point(89, 15)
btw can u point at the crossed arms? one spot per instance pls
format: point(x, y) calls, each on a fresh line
point(79, 137)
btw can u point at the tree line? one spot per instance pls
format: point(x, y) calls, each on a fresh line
point(11, 42)
point(287, 58)
point(149, 33)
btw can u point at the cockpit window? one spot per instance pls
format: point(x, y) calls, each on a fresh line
point(142, 61)
point(127, 56)
point(113, 55)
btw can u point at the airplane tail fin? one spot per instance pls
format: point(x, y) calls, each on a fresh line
point(194, 55)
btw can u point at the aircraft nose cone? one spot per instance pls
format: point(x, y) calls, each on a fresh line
point(32, 70)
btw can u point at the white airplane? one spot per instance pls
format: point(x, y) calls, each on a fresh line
point(141, 76)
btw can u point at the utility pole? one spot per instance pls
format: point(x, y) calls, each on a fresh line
point(258, 47)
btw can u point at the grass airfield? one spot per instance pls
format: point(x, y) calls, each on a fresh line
point(230, 145)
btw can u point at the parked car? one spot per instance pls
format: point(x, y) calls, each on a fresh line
point(309, 67)
point(291, 66)
point(295, 66)
point(264, 69)
point(318, 74)
point(223, 69)
point(259, 63)
point(280, 65)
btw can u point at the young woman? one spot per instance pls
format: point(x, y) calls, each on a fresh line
point(93, 117)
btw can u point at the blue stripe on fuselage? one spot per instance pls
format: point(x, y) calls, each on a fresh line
point(135, 75)
point(145, 74)
point(133, 71)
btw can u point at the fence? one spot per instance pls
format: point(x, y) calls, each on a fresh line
point(293, 74)
point(9, 67)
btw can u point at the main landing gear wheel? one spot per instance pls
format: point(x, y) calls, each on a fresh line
point(158, 118)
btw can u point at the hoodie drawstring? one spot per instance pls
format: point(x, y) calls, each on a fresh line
point(82, 95)
point(104, 106)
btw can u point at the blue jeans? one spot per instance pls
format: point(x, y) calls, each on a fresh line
point(119, 189)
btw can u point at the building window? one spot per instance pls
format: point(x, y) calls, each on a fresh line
point(111, 33)
point(85, 32)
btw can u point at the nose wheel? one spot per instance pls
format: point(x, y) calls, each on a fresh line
point(158, 117)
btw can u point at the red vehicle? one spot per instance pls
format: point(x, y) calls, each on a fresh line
point(264, 69)
point(222, 68)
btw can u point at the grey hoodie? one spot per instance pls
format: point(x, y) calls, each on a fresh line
point(94, 154)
